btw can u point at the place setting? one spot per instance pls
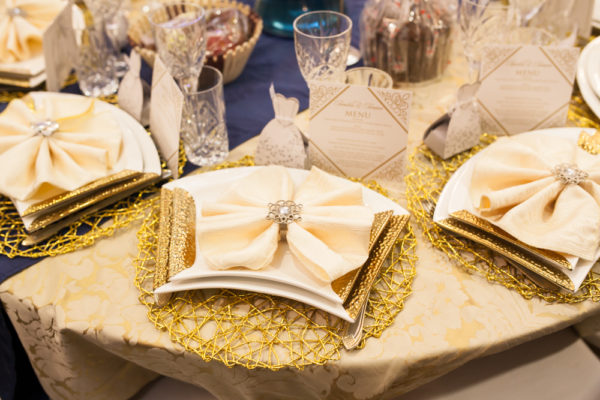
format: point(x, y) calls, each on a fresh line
point(506, 185)
point(76, 161)
point(313, 253)
point(23, 26)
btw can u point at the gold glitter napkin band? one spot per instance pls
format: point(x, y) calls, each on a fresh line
point(590, 143)
point(67, 197)
point(367, 274)
point(551, 257)
point(507, 249)
point(343, 285)
point(49, 224)
point(177, 233)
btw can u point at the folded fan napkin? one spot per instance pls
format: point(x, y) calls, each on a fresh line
point(22, 25)
point(58, 145)
point(542, 189)
point(331, 239)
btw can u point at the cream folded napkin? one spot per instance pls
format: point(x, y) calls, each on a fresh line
point(542, 189)
point(22, 25)
point(330, 239)
point(59, 146)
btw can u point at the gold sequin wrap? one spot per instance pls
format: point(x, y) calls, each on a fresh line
point(122, 213)
point(258, 330)
point(427, 176)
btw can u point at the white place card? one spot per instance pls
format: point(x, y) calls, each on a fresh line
point(166, 106)
point(60, 47)
point(131, 90)
point(359, 131)
point(524, 88)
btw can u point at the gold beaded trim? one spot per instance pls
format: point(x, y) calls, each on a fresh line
point(261, 331)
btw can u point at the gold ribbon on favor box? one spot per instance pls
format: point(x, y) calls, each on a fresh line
point(428, 174)
point(257, 330)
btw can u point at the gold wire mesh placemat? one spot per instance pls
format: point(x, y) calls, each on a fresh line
point(257, 330)
point(428, 175)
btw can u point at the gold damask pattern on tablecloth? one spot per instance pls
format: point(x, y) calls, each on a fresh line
point(428, 174)
point(258, 330)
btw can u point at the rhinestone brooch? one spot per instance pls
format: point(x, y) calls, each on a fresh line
point(16, 12)
point(569, 174)
point(284, 212)
point(45, 128)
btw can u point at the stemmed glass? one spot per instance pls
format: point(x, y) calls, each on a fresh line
point(527, 9)
point(95, 59)
point(105, 14)
point(483, 22)
point(180, 34)
point(322, 41)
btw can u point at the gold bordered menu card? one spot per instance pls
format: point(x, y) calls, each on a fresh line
point(292, 233)
point(358, 131)
point(534, 198)
point(63, 154)
point(525, 87)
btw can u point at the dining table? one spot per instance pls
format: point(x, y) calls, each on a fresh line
point(88, 336)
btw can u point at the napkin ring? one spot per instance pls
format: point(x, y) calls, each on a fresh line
point(569, 174)
point(284, 212)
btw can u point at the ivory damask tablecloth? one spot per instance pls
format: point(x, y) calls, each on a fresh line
point(88, 337)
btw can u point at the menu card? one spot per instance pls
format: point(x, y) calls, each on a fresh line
point(524, 88)
point(359, 131)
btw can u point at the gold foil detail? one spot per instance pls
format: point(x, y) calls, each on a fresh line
point(46, 219)
point(182, 248)
point(366, 277)
point(590, 143)
point(508, 250)
point(343, 285)
point(61, 199)
point(549, 256)
point(161, 275)
point(253, 330)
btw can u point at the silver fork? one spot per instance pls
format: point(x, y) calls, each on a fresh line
point(354, 331)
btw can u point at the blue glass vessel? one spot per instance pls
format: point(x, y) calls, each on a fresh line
point(278, 15)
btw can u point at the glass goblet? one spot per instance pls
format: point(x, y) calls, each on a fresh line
point(322, 41)
point(483, 22)
point(527, 9)
point(180, 35)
